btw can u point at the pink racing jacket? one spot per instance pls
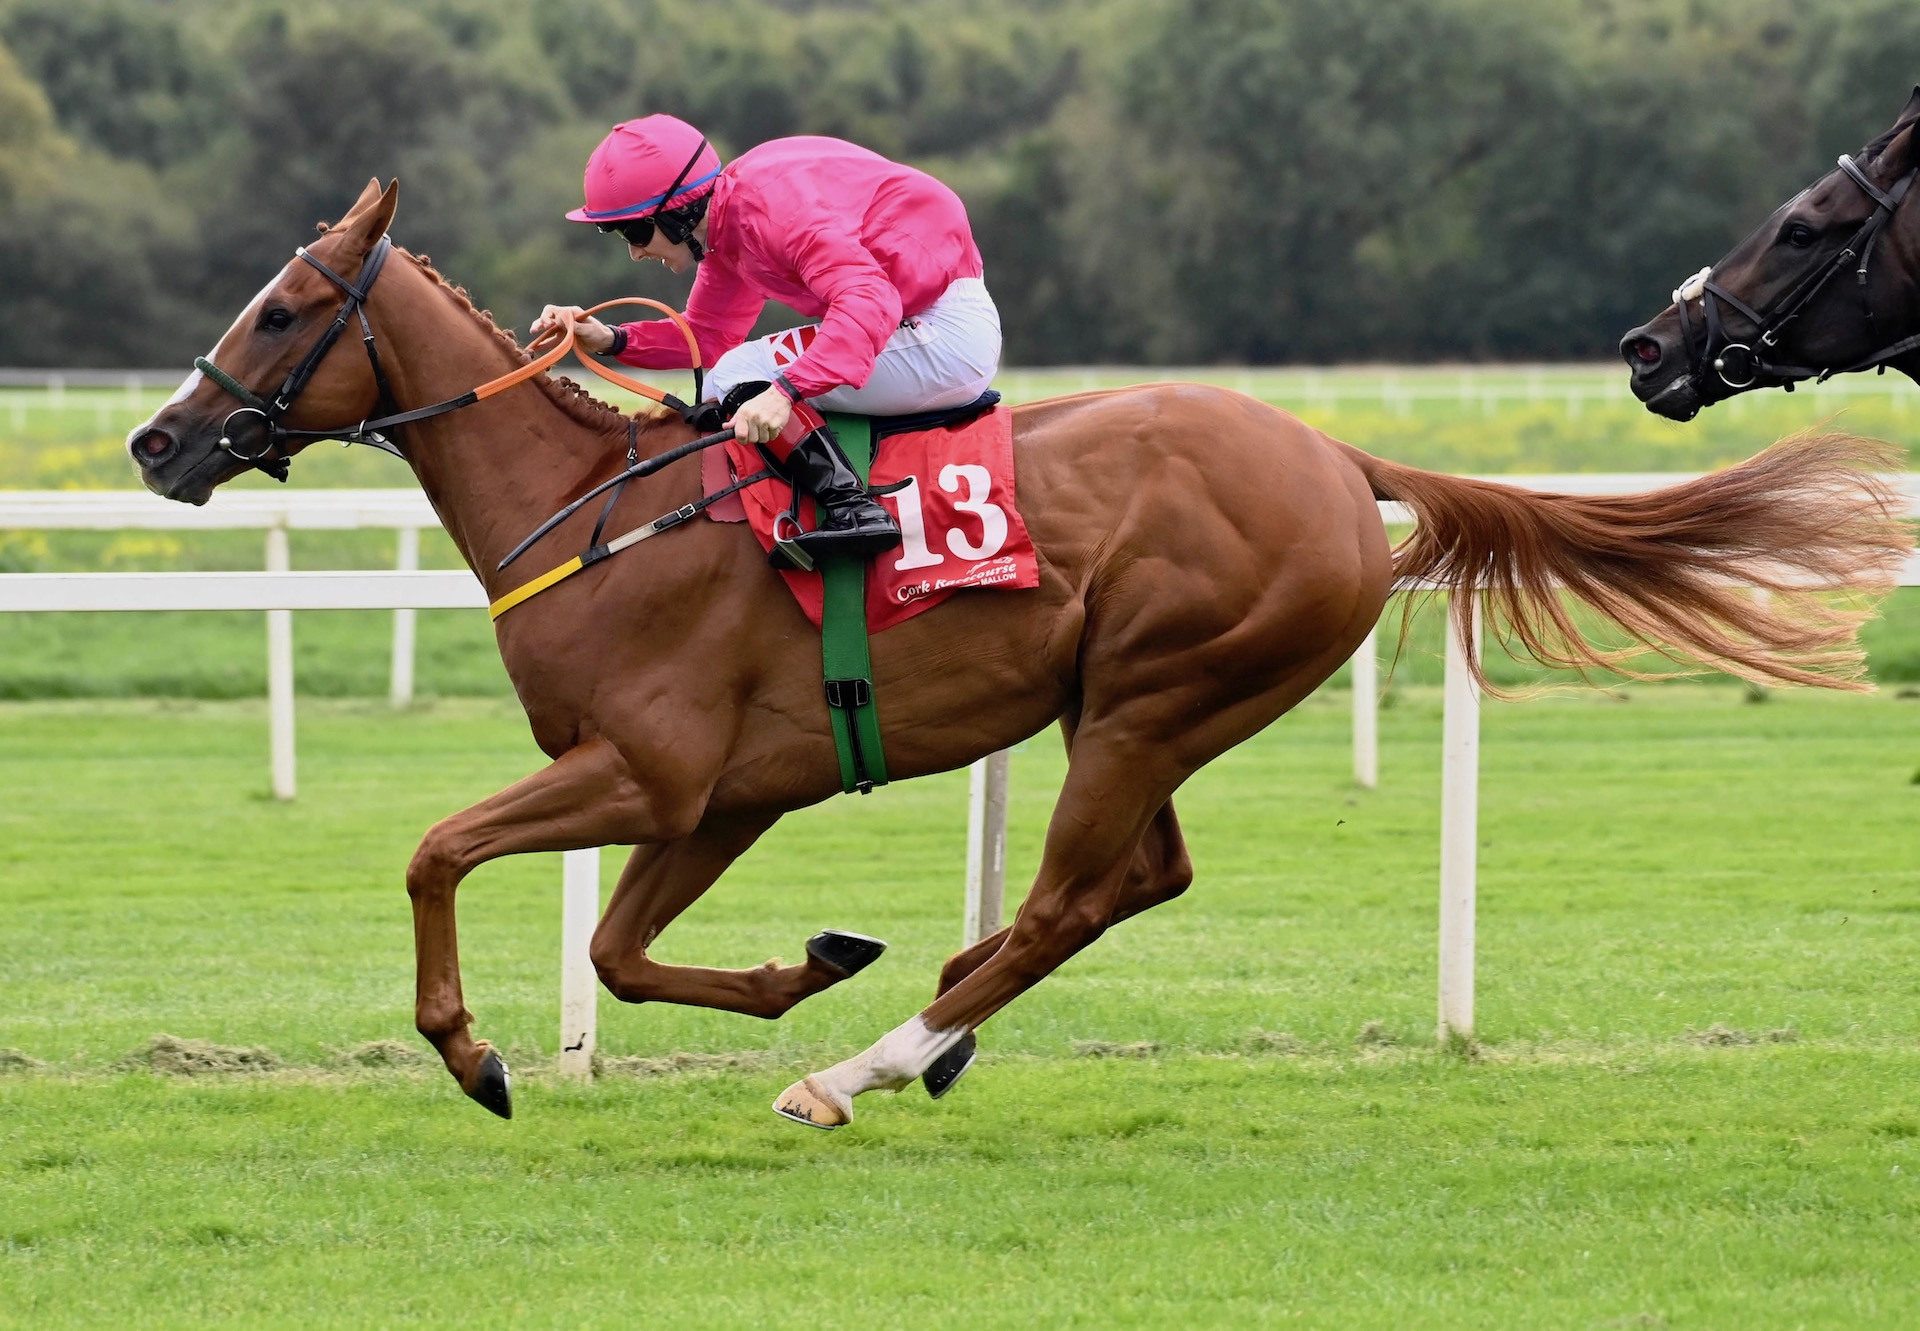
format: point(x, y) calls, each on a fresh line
point(839, 233)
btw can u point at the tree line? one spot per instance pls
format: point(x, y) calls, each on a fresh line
point(1183, 181)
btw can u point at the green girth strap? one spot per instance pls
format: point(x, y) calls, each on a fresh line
point(847, 664)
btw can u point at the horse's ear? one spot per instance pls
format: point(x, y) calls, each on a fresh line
point(366, 199)
point(370, 215)
point(1902, 142)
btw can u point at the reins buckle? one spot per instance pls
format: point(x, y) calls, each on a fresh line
point(684, 513)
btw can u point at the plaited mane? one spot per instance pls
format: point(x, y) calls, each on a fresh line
point(576, 401)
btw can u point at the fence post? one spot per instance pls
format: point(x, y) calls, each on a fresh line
point(400, 691)
point(280, 672)
point(579, 912)
point(1366, 713)
point(1459, 833)
point(986, 847)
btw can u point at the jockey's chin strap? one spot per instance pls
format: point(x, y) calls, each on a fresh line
point(1742, 365)
point(674, 228)
point(270, 451)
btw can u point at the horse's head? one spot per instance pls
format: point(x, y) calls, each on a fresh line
point(274, 374)
point(1825, 286)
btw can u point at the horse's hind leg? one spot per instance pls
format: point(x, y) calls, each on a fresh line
point(1113, 791)
point(586, 797)
point(1161, 870)
point(1128, 757)
point(659, 882)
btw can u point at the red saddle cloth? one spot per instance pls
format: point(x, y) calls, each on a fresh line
point(960, 525)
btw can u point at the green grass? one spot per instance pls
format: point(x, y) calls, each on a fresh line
point(1691, 1106)
point(1717, 1189)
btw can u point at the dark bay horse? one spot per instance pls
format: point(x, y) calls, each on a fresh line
point(1206, 561)
point(1829, 284)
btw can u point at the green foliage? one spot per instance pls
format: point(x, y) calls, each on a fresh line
point(128, 77)
point(1194, 180)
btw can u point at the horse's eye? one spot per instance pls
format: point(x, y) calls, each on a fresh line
point(277, 320)
point(1799, 235)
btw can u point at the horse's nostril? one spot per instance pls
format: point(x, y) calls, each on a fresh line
point(1644, 350)
point(152, 446)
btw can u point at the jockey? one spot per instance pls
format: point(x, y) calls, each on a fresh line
point(881, 254)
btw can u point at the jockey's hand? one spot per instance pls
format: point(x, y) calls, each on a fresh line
point(760, 420)
point(591, 334)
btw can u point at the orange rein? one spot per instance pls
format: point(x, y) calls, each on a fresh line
point(565, 341)
point(634, 385)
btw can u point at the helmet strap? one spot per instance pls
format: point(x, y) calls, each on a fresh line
point(679, 229)
point(680, 224)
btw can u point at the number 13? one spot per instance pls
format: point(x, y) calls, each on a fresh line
point(914, 551)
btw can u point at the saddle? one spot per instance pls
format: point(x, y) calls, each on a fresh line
point(711, 416)
point(949, 475)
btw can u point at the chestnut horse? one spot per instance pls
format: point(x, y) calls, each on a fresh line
point(1206, 561)
point(1826, 286)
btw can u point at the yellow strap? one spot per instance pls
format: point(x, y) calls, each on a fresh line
point(539, 584)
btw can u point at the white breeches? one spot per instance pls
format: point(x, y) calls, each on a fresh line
point(946, 356)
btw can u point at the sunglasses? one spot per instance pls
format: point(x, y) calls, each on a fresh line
point(636, 231)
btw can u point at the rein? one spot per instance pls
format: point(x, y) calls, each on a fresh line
point(273, 436)
point(1741, 365)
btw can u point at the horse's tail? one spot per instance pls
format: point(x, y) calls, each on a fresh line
point(1670, 567)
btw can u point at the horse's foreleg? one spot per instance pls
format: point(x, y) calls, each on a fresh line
point(1112, 794)
point(659, 882)
point(586, 797)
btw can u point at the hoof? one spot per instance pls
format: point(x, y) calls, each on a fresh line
point(493, 1088)
point(804, 1102)
point(950, 1067)
point(844, 953)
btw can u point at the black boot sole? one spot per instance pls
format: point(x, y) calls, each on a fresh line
point(820, 545)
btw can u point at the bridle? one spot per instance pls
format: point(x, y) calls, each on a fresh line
point(274, 434)
point(269, 411)
point(375, 431)
point(1741, 365)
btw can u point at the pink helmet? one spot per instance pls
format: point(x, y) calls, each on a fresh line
point(644, 166)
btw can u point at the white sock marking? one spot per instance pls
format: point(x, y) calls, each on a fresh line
point(893, 1061)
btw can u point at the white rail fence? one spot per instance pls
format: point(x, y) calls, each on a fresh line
point(277, 513)
point(110, 399)
point(280, 591)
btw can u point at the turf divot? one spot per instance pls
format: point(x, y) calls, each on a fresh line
point(172, 1056)
point(382, 1054)
point(1115, 1049)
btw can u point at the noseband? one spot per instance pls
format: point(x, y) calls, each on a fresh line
point(1741, 365)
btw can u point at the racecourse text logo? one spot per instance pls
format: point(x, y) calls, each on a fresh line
point(986, 573)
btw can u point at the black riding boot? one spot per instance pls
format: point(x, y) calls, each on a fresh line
point(850, 521)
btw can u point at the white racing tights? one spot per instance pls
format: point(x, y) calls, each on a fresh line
point(946, 356)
